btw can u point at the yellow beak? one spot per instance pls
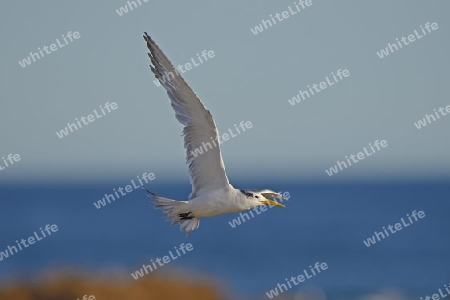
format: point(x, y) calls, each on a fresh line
point(272, 203)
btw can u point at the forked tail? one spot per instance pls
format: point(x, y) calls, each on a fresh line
point(175, 211)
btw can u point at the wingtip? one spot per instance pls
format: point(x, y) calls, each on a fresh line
point(149, 192)
point(146, 37)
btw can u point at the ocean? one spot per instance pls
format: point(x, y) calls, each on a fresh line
point(321, 223)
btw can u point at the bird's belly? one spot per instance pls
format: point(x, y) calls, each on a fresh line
point(215, 207)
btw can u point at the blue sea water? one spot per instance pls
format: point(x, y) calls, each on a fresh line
point(321, 223)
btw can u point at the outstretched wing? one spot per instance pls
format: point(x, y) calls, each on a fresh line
point(206, 168)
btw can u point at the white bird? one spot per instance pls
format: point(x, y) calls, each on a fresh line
point(212, 194)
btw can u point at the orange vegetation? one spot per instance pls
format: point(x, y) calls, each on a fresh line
point(72, 287)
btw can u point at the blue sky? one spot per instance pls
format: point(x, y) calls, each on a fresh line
point(250, 78)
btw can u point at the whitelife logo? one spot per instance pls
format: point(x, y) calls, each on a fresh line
point(422, 123)
point(161, 262)
point(281, 16)
point(411, 38)
point(300, 278)
point(53, 47)
point(397, 226)
point(31, 240)
point(71, 127)
point(128, 189)
point(356, 158)
point(243, 125)
point(319, 87)
point(124, 9)
point(11, 158)
point(85, 297)
point(187, 66)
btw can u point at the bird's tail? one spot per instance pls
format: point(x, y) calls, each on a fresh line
point(175, 211)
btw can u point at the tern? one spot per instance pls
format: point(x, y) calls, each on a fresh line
point(212, 194)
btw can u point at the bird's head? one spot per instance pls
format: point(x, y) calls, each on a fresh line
point(262, 197)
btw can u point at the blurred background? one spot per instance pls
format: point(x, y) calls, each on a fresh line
point(288, 149)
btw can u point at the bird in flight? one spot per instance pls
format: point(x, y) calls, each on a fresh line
point(212, 194)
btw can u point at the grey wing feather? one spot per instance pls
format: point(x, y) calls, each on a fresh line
point(207, 170)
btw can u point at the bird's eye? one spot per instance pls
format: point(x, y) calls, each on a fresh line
point(257, 196)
